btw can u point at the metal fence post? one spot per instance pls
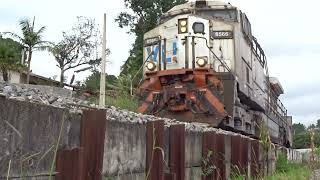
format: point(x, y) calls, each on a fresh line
point(86, 162)
point(208, 148)
point(219, 155)
point(155, 144)
point(177, 151)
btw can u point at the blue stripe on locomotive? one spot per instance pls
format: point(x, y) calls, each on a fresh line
point(154, 56)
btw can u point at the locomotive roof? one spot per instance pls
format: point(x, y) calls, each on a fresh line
point(183, 8)
point(277, 87)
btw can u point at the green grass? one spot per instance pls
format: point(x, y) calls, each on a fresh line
point(282, 164)
point(286, 171)
point(294, 172)
point(123, 102)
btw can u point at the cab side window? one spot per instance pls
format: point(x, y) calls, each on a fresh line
point(246, 27)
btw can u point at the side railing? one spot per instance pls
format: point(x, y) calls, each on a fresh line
point(275, 107)
point(139, 71)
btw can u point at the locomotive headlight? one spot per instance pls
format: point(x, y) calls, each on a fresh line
point(151, 66)
point(183, 29)
point(202, 61)
point(183, 25)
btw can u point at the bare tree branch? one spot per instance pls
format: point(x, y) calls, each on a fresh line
point(78, 47)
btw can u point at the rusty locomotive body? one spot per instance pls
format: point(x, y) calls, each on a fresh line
point(202, 64)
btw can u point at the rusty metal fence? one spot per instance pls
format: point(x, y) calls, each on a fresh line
point(223, 154)
point(85, 162)
point(243, 154)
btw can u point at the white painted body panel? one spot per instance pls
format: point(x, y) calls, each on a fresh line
point(223, 48)
point(169, 31)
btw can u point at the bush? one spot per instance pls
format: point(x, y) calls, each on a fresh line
point(282, 163)
point(124, 102)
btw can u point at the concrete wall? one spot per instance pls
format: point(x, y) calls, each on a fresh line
point(297, 155)
point(13, 77)
point(125, 150)
point(193, 155)
point(29, 134)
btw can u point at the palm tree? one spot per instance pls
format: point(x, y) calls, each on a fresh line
point(31, 40)
point(10, 56)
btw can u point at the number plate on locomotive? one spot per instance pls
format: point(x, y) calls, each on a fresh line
point(151, 41)
point(221, 34)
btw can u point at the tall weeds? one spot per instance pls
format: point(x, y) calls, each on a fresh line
point(57, 147)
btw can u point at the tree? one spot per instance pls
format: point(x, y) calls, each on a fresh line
point(318, 123)
point(144, 18)
point(92, 82)
point(299, 128)
point(31, 40)
point(10, 56)
point(78, 48)
point(312, 126)
point(301, 141)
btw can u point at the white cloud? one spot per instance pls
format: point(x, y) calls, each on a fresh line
point(60, 15)
point(299, 75)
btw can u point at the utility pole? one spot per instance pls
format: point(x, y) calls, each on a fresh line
point(312, 162)
point(102, 100)
point(312, 144)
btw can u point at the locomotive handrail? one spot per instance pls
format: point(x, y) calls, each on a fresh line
point(280, 115)
point(221, 61)
point(134, 77)
point(280, 111)
point(277, 101)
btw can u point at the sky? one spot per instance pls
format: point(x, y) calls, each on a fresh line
point(287, 30)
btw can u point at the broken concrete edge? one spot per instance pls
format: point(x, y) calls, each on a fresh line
point(116, 114)
point(42, 95)
point(53, 96)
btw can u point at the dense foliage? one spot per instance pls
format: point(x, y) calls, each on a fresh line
point(144, 18)
point(92, 82)
point(301, 135)
point(10, 56)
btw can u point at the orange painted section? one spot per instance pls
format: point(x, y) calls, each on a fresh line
point(215, 102)
point(143, 108)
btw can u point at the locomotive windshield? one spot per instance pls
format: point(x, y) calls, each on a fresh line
point(227, 15)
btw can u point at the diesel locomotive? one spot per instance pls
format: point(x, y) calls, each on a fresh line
point(202, 64)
